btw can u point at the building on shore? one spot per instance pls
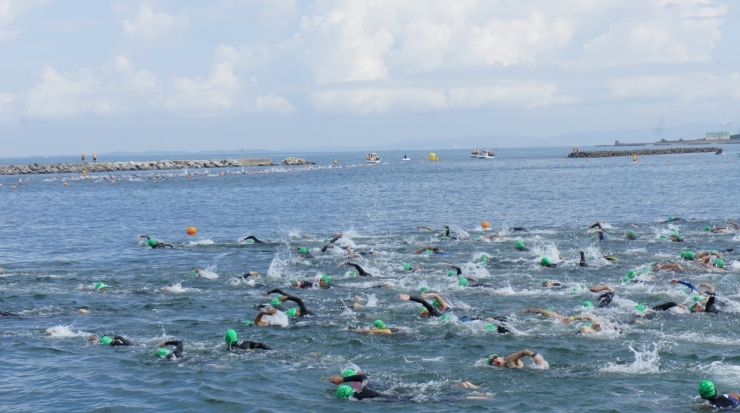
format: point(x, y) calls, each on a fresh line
point(715, 136)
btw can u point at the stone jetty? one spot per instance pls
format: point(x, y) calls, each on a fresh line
point(296, 161)
point(97, 167)
point(640, 152)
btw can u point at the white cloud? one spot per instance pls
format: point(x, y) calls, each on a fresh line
point(11, 10)
point(129, 79)
point(149, 24)
point(660, 31)
point(685, 87)
point(62, 94)
point(216, 91)
point(273, 103)
point(522, 95)
point(5, 100)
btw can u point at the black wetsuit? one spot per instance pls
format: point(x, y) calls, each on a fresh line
point(711, 306)
point(596, 225)
point(359, 269)
point(119, 341)
point(248, 345)
point(253, 238)
point(664, 306)
point(583, 260)
point(6, 314)
point(723, 401)
point(303, 310)
point(433, 312)
point(605, 299)
point(177, 352)
point(306, 285)
point(557, 285)
point(364, 392)
point(519, 229)
point(159, 244)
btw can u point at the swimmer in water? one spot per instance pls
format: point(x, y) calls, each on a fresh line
point(563, 319)
point(7, 314)
point(667, 267)
point(630, 235)
point(303, 252)
point(250, 239)
point(430, 248)
point(175, 353)
point(545, 262)
point(708, 392)
point(513, 360)
point(598, 225)
point(463, 281)
point(287, 297)
point(357, 389)
point(379, 327)
point(233, 343)
point(548, 283)
point(674, 219)
point(259, 322)
point(152, 242)
point(583, 260)
point(684, 282)
point(519, 246)
point(429, 310)
point(521, 229)
point(110, 340)
point(361, 271)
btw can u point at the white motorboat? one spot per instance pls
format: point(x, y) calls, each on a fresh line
point(372, 157)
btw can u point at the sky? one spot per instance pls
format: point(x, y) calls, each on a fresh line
point(96, 75)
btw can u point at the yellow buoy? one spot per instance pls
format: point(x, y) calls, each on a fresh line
point(432, 156)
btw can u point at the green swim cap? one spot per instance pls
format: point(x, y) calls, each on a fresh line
point(100, 285)
point(435, 302)
point(631, 274)
point(291, 312)
point(478, 237)
point(491, 357)
point(428, 252)
point(688, 255)
point(424, 289)
point(696, 298)
point(293, 280)
point(490, 326)
point(345, 392)
point(707, 228)
point(706, 389)
point(645, 270)
point(275, 302)
point(625, 279)
point(152, 242)
point(247, 322)
point(407, 266)
point(588, 304)
point(422, 309)
point(250, 241)
point(640, 307)
point(663, 236)
point(545, 261)
point(544, 280)
point(588, 325)
point(349, 372)
point(671, 218)
point(519, 244)
point(230, 337)
point(631, 233)
point(163, 352)
point(353, 273)
point(105, 340)
point(686, 290)
point(326, 240)
point(302, 250)
point(445, 317)
point(654, 263)
point(451, 273)
point(326, 279)
point(719, 263)
point(463, 282)
point(379, 324)
point(712, 251)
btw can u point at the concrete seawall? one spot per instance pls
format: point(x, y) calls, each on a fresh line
point(62, 168)
point(639, 152)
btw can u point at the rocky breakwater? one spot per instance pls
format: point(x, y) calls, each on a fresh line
point(640, 152)
point(63, 168)
point(296, 161)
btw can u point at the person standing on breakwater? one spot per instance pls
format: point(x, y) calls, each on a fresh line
point(82, 156)
point(95, 157)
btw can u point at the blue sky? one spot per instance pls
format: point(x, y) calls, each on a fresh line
point(207, 75)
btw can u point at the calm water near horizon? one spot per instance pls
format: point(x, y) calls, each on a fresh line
point(58, 241)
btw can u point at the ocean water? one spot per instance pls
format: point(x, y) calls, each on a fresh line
point(58, 241)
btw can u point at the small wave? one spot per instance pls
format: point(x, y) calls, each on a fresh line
point(177, 288)
point(206, 241)
point(646, 362)
point(61, 331)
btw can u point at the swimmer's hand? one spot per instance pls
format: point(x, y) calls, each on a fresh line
point(336, 379)
point(674, 281)
point(162, 345)
point(404, 297)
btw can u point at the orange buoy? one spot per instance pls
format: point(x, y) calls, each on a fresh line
point(12, 187)
point(65, 184)
point(192, 231)
point(485, 225)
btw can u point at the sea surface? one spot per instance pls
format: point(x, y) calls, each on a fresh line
point(59, 240)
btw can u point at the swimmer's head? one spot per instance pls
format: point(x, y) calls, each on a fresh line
point(546, 282)
point(291, 312)
point(706, 389)
point(707, 228)
point(687, 255)
point(100, 286)
point(152, 242)
point(719, 263)
point(295, 282)
point(424, 312)
point(463, 282)
point(424, 289)
point(545, 261)
point(631, 274)
point(696, 308)
point(671, 218)
point(276, 302)
point(588, 304)
point(406, 266)
point(379, 324)
point(345, 392)
point(349, 372)
point(230, 337)
point(496, 360)
point(325, 280)
point(302, 250)
point(163, 352)
point(519, 245)
point(640, 307)
point(630, 234)
point(105, 340)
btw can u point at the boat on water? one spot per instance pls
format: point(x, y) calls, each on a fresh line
point(405, 158)
point(372, 157)
point(482, 154)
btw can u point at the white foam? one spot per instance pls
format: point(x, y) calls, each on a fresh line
point(206, 241)
point(646, 362)
point(177, 288)
point(207, 274)
point(61, 331)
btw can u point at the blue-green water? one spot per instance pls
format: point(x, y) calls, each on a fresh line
point(59, 241)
